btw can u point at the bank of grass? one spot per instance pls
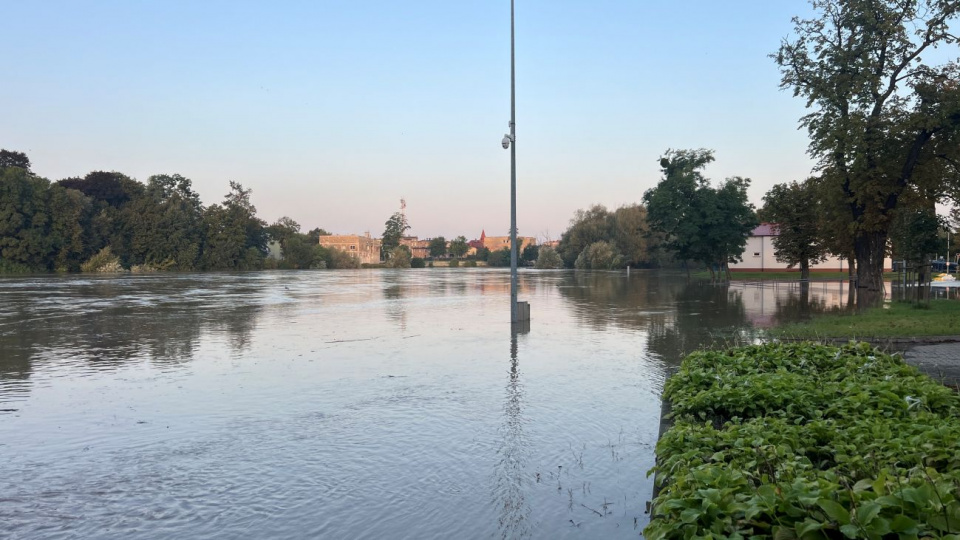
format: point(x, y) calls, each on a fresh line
point(802, 441)
point(894, 320)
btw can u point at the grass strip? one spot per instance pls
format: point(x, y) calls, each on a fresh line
point(799, 440)
point(897, 319)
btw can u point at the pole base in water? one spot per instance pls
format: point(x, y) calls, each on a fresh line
point(523, 311)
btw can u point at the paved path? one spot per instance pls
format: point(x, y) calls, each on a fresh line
point(941, 361)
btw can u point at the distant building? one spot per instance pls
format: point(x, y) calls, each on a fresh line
point(418, 248)
point(365, 248)
point(494, 243)
point(758, 256)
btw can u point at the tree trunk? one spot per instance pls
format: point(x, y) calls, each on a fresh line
point(870, 249)
point(805, 270)
point(852, 265)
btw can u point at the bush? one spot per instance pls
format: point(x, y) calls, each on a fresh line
point(598, 256)
point(399, 258)
point(807, 441)
point(470, 264)
point(548, 258)
point(10, 267)
point(454, 263)
point(103, 262)
point(340, 259)
point(418, 262)
point(500, 258)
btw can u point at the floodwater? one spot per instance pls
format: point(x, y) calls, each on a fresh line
point(348, 404)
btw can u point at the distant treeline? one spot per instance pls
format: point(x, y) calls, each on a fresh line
point(107, 221)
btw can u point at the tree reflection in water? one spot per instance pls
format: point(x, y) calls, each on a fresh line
point(514, 510)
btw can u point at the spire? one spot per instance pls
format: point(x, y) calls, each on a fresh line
point(483, 235)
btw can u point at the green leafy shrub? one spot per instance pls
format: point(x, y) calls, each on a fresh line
point(454, 263)
point(103, 262)
point(807, 441)
point(470, 264)
point(418, 262)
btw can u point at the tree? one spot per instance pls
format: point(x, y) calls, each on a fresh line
point(111, 188)
point(548, 258)
point(881, 119)
point(459, 246)
point(438, 247)
point(598, 256)
point(315, 234)
point(24, 220)
point(793, 207)
point(399, 258)
point(530, 253)
point(166, 224)
point(499, 258)
point(284, 228)
point(393, 232)
point(699, 222)
point(235, 238)
point(10, 158)
point(631, 234)
point(586, 227)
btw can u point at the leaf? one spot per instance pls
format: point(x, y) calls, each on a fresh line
point(867, 511)
point(903, 524)
point(784, 533)
point(835, 511)
point(850, 530)
point(690, 515)
point(862, 485)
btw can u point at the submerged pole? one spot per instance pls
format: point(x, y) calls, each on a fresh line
point(514, 315)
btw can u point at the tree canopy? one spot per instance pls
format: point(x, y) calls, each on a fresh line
point(793, 207)
point(698, 222)
point(881, 119)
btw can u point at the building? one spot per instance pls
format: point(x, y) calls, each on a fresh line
point(418, 248)
point(494, 243)
point(758, 256)
point(363, 247)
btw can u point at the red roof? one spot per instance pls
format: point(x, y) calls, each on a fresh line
point(766, 229)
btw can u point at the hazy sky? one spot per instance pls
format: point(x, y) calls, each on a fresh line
point(332, 110)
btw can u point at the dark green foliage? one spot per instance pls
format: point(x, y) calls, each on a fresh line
point(914, 234)
point(454, 264)
point(883, 122)
point(236, 239)
point(165, 226)
point(793, 207)
point(698, 222)
point(499, 258)
point(111, 188)
point(529, 254)
point(470, 264)
point(25, 220)
point(10, 158)
point(624, 229)
point(418, 262)
point(315, 234)
point(393, 232)
point(459, 246)
point(438, 247)
point(807, 441)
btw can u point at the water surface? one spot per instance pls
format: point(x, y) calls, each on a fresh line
point(348, 404)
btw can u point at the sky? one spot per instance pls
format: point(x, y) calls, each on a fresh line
point(331, 111)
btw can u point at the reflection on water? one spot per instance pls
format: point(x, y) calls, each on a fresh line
point(511, 470)
point(349, 404)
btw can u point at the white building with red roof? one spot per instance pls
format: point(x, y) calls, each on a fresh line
point(758, 256)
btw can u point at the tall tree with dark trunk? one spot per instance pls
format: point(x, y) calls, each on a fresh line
point(881, 119)
point(793, 207)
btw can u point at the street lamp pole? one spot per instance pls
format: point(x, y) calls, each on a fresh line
point(514, 316)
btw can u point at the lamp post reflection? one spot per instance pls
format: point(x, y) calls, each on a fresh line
point(510, 469)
